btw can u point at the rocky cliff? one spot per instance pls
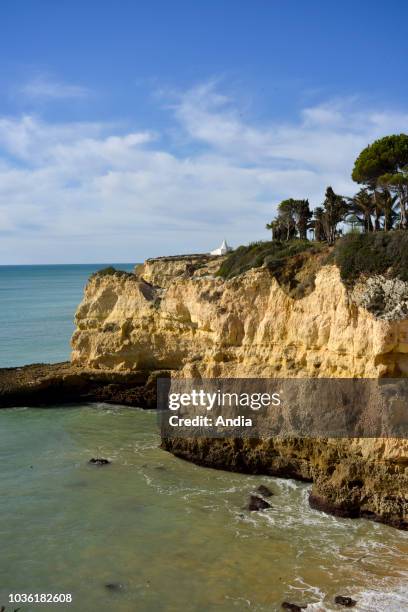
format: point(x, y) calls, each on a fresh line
point(198, 324)
point(176, 314)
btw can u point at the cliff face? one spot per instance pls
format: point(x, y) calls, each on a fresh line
point(176, 315)
point(163, 270)
point(201, 325)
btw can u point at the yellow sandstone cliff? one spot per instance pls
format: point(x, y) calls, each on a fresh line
point(248, 326)
point(176, 314)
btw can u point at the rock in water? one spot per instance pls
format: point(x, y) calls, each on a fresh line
point(114, 586)
point(345, 601)
point(99, 461)
point(257, 503)
point(292, 607)
point(264, 491)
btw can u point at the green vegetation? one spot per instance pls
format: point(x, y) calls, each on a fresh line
point(272, 254)
point(373, 253)
point(383, 166)
point(355, 254)
point(295, 219)
point(110, 271)
point(380, 205)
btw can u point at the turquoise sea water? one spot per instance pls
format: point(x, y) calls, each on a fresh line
point(172, 537)
point(37, 307)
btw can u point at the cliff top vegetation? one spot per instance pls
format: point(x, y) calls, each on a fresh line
point(363, 235)
point(111, 271)
point(294, 263)
point(369, 254)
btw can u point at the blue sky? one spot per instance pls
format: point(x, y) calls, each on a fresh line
point(134, 129)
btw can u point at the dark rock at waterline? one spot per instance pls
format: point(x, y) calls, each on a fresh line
point(352, 510)
point(99, 461)
point(298, 460)
point(345, 601)
point(343, 510)
point(114, 586)
point(264, 491)
point(293, 607)
point(43, 384)
point(257, 503)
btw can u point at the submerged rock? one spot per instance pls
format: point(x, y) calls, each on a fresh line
point(257, 503)
point(264, 491)
point(99, 461)
point(114, 586)
point(345, 601)
point(286, 605)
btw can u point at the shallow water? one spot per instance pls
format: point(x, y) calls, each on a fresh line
point(173, 534)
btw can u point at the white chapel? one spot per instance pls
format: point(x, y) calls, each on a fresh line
point(222, 250)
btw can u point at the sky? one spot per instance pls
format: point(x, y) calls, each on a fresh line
point(133, 129)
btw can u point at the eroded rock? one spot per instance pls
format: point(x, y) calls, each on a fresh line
point(257, 503)
point(99, 461)
point(264, 491)
point(347, 602)
point(286, 605)
point(114, 586)
point(386, 298)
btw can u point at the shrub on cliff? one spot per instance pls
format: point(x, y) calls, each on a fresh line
point(110, 271)
point(273, 254)
point(373, 253)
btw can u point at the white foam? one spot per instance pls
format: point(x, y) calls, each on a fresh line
point(373, 600)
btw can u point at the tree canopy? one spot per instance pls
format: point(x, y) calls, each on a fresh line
point(380, 205)
point(385, 164)
point(386, 156)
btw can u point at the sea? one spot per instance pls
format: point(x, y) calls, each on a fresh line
point(150, 532)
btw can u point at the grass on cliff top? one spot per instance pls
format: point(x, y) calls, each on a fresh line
point(273, 254)
point(375, 253)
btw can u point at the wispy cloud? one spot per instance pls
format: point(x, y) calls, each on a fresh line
point(43, 87)
point(88, 191)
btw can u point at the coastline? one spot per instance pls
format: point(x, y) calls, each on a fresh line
point(305, 460)
point(176, 317)
point(204, 307)
point(180, 315)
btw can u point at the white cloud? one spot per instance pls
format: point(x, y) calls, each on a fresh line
point(42, 87)
point(89, 192)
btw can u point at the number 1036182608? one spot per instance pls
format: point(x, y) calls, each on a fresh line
point(19, 598)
